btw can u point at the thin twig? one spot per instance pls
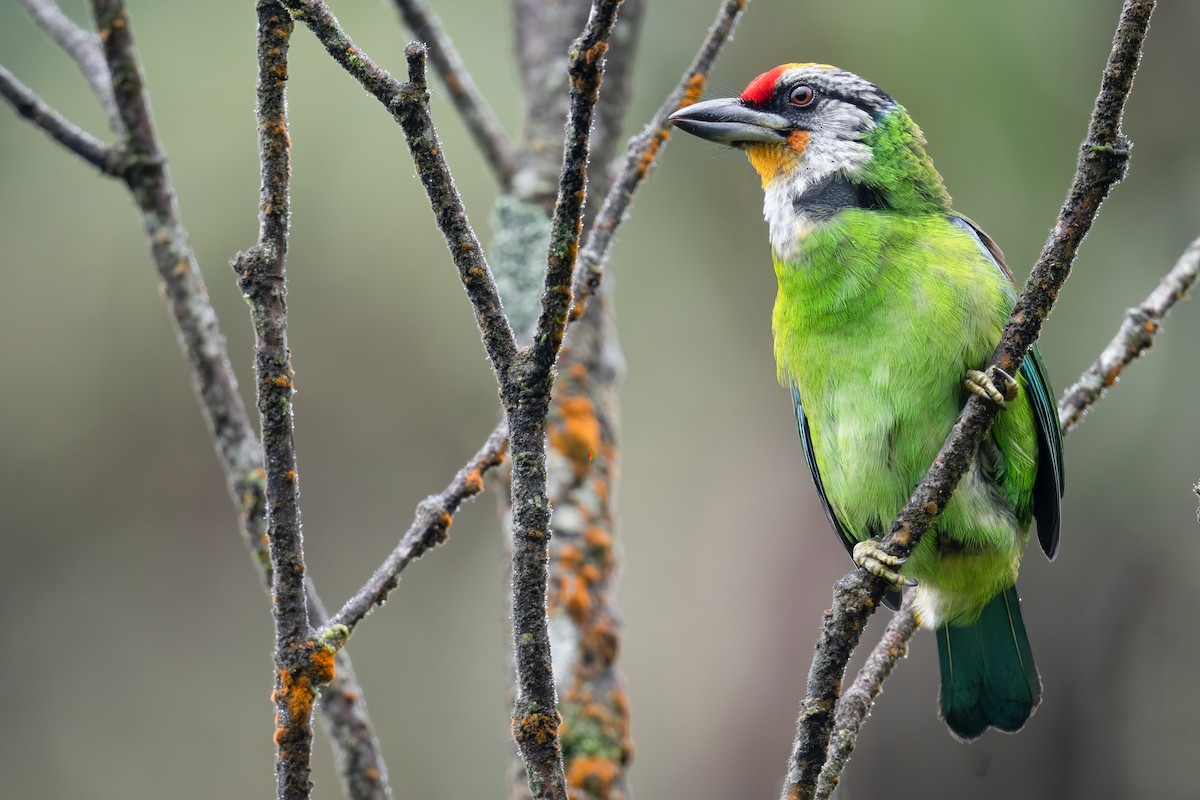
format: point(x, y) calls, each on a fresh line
point(324, 25)
point(1136, 334)
point(641, 155)
point(411, 108)
point(200, 338)
point(585, 69)
point(855, 703)
point(301, 665)
point(347, 723)
point(429, 528)
point(28, 105)
point(84, 48)
point(1102, 163)
point(481, 123)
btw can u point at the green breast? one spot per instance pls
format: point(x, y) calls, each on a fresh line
point(877, 319)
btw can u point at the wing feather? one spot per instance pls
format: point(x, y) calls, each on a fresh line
point(1049, 485)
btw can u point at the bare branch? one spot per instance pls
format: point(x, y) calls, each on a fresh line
point(481, 123)
point(141, 165)
point(855, 703)
point(429, 529)
point(1136, 334)
point(586, 69)
point(344, 712)
point(28, 105)
point(84, 48)
point(536, 719)
point(641, 155)
point(372, 77)
point(1102, 163)
point(301, 664)
point(411, 109)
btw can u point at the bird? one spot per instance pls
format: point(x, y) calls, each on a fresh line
point(889, 306)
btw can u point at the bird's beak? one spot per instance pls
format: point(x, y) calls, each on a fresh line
point(728, 121)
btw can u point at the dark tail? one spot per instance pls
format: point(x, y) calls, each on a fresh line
point(988, 675)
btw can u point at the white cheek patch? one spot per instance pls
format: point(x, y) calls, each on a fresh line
point(829, 151)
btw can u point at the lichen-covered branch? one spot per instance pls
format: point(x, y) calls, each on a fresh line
point(1137, 333)
point(535, 715)
point(301, 664)
point(585, 71)
point(31, 107)
point(139, 162)
point(324, 25)
point(642, 153)
point(1102, 163)
point(481, 123)
point(84, 49)
point(855, 703)
point(411, 108)
point(429, 528)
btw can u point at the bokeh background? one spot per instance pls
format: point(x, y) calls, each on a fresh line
point(138, 636)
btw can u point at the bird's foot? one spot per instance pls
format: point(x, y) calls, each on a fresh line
point(981, 383)
point(870, 556)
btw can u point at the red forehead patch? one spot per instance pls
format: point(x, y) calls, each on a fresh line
point(762, 87)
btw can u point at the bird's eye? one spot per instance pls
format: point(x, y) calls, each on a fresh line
point(802, 96)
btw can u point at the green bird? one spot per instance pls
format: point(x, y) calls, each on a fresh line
point(889, 304)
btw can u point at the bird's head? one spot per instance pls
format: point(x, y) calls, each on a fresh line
point(822, 139)
point(793, 116)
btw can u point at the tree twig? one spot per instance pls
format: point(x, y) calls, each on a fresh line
point(855, 703)
point(411, 108)
point(84, 48)
point(301, 664)
point(1137, 333)
point(641, 155)
point(361, 765)
point(481, 123)
point(1102, 163)
point(28, 105)
point(527, 401)
point(429, 528)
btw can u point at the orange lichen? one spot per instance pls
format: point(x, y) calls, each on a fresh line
point(596, 52)
point(473, 481)
point(598, 538)
point(324, 664)
point(577, 433)
point(281, 381)
point(647, 159)
point(290, 476)
point(575, 597)
point(540, 727)
point(695, 88)
point(569, 556)
point(600, 640)
point(593, 775)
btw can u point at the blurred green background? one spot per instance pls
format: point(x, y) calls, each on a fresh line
point(139, 639)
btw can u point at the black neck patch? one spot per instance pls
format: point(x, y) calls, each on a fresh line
point(836, 192)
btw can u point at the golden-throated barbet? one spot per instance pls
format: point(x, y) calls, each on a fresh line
point(889, 304)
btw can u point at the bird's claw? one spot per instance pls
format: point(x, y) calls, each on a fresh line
point(870, 556)
point(981, 383)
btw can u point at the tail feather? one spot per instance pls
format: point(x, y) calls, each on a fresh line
point(988, 675)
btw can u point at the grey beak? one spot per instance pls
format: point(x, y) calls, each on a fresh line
point(729, 122)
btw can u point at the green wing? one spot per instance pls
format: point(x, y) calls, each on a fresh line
point(1049, 485)
point(891, 598)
